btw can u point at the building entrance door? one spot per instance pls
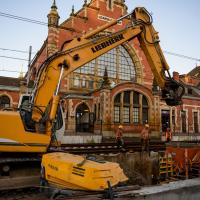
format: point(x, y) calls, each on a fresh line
point(165, 119)
point(82, 118)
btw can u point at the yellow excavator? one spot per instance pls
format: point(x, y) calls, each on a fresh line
point(31, 130)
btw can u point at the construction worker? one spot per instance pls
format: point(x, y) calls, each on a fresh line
point(168, 135)
point(145, 138)
point(119, 136)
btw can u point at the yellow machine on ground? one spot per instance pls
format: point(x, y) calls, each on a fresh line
point(68, 171)
point(32, 128)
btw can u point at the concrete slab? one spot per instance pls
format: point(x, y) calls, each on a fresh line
point(178, 190)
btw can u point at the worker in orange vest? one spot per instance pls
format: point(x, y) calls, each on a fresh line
point(145, 138)
point(168, 135)
point(119, 136)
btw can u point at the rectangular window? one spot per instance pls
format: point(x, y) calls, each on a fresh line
point(127, 97)
point(144, 115)
point(136, 98)
point(116, 114)
point(110, 61)
point(87, 68)
point(91, 84)
point(126, 115)
point(173, 121)
point(76, 81)
point(136, 118)
point(83, 83)
point(183, 119)
point(95, 112)
point(99, 108)
point(195, 121)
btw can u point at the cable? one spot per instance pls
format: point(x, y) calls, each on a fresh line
point(5, 70)
point(2, 14)
point(15, 58)
point(182, 56)
point(19, 51)
point(22, 19)
point(45, 24)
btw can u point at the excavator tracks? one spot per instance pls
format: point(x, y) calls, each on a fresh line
point(19, 171)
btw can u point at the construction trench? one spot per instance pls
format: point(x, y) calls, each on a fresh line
point(170, 174)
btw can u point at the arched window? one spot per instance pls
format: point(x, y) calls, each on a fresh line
point(126, 70)
point(117, 108)
point(145, 108)
point(99, 109)
point(136, 108)
point(128, 102)
point(4, 101)
point(119, 66)
point(95, 112)
point(126, 107)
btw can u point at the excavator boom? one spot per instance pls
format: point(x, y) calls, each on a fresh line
point(90, 46)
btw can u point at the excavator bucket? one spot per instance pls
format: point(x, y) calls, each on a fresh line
point(67, 171)
point(173, 92)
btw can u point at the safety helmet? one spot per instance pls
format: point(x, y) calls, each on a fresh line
point(120, 126)
point(147, 125)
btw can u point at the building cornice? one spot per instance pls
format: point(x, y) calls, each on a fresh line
point(75, 96)
point(9, 88)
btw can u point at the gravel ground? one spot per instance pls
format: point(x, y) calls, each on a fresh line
point(31, 194)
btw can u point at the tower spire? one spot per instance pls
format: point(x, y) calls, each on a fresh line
point(106, 81)
point(53, 17)
point(53, 23)
point(54, 5)
point(72, 13)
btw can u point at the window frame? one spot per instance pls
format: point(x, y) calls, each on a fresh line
point(5, 103)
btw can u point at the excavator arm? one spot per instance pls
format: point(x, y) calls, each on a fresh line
point(82, 50)
point(172, 91)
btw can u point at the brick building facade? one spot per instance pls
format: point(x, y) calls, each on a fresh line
point(129, 99)
point(116, 88)
point(91, 108)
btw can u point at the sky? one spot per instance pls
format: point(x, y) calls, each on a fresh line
point(177, 22)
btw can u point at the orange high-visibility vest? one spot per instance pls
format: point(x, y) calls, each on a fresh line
point(168, 134)
point(119, 133)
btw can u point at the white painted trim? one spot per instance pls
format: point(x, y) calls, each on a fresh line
point(189, 105)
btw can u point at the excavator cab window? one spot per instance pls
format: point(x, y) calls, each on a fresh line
point(24, 100)
point(24, 109)
point(59, 119)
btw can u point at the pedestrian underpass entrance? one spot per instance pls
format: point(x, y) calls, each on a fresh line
point(84, 119)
